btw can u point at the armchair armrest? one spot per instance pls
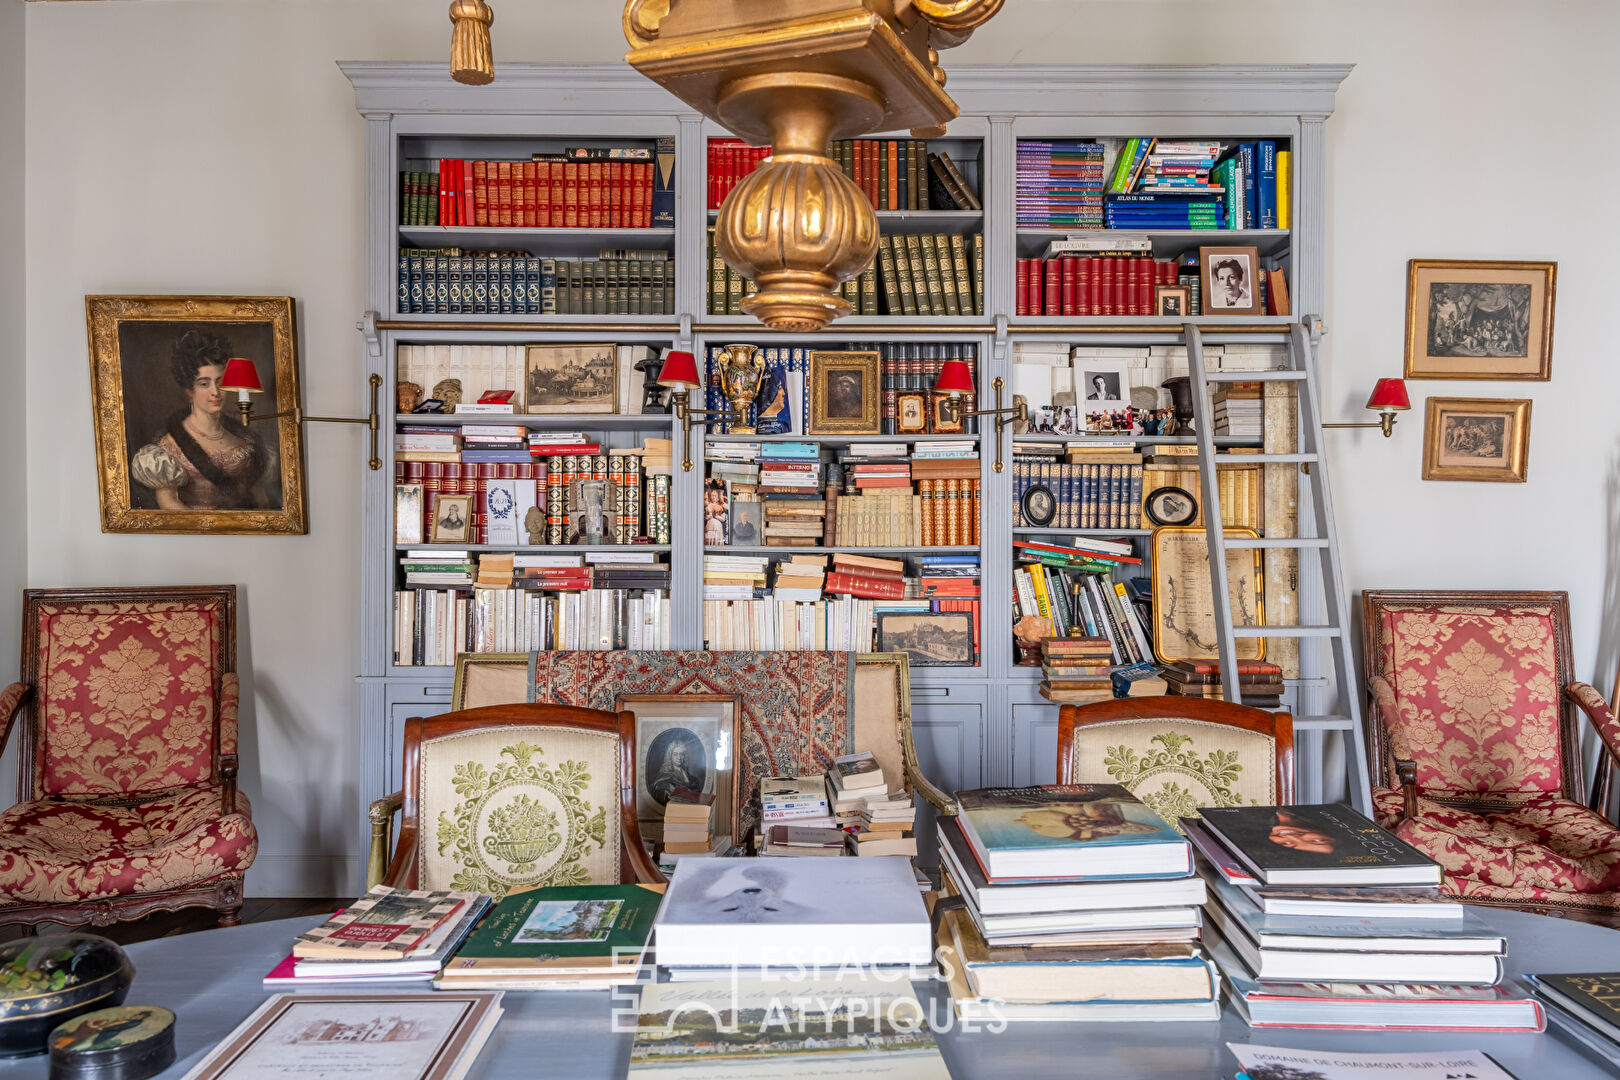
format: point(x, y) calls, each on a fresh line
point(382, 816)
point(11, 703)
point(1597, 710)
point(230, 691)
point(1407, 771)
point(942, 801)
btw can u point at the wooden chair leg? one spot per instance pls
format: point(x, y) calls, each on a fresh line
point(231, 916)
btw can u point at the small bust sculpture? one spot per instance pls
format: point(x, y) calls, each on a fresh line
point(407, 396)
point(534, 523)
point(449, 392)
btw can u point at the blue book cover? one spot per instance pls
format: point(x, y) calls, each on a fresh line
point(1056, 817)
point(1265, 188)
point(790, 450)
point(663, 189)
point(1250, 173)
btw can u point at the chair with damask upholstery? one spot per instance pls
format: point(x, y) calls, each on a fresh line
point(507, 798)
point(1178, 754)
point(128, 706)
point(1474, 747)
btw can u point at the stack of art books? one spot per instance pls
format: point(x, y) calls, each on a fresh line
point(567, 937)
point(1070, 902)
point(1585, 1007)
point(387, 936)
point(1320, 918)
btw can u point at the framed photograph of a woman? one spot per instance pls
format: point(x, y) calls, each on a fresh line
point(684, 741)
point(171, 451)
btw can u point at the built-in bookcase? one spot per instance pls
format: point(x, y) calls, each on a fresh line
point(977, 725)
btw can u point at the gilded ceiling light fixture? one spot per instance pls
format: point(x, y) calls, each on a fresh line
point(798, 74)
point(472, 57)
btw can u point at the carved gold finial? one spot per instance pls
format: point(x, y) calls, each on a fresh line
point(641, 19)
point(472, 56)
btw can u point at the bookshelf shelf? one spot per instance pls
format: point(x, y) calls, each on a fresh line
point(536, 549)
point(975, 726)
point(1097, 439)
point(556, 242)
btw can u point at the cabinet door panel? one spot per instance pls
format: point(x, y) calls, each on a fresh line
point(1034, 735)
point(948, 730)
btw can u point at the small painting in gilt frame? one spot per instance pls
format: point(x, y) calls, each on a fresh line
point(1476, 439)
point(1479, 320)
point(845, 393)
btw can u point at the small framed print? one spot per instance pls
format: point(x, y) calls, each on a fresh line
point(1230, 279)
point(845, 393)
point(1039, 506)
point(1171, 506)
point(1477, 439)
point(928, 639)
point(407, 513)
point(911, 414)
point(568, 379)
point(452, 519)
point(1173, 300)
point(747, 522)
point(946, 416)
point(684, 741)
point(1479, 320)
point(1105, 385)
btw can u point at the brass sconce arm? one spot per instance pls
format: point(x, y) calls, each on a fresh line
point(687, 415)
point(1386, 420)
point(245, 407)
point(1004, 416)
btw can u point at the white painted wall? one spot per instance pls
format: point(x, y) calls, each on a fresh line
point(13, 432)
point(213, 147)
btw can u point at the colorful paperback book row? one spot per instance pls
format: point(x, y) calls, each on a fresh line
point(914, 274)
point(450, 281)
point(903, 367)
point(627, 187)
point(894, 174)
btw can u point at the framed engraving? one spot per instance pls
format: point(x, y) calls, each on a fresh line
point(571, 379)
point(1183, 605)
point(452, 519)
point(1171, 506)
point(845, 393)
point(687, 741)
point(172, 453)
point(1476, 439)
point(928, 639)
point(1479, 320)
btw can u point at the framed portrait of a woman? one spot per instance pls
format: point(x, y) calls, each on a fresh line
point(172, 453)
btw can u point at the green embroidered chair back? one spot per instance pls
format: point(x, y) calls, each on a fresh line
point(516, 797)
point(1179, 754)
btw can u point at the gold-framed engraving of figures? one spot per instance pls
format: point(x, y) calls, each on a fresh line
point(1477, 319)
point(1183, 603)
point(684, 741)
point(171, 452)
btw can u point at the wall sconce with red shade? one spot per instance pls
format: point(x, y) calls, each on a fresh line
point(955, 380)
point(1387, 399)
point(242, 375)
point(680, 374)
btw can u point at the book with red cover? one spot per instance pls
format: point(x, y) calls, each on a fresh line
point(480, 193)
point(466, 214)
point(867, 588)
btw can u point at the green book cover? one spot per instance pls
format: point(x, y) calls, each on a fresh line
point(566, 927)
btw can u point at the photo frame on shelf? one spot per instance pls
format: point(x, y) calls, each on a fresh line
point(944, 418)
point(716, 513)
point(452, 519)
point(911, 413)
point(1170, 506)
point(1183, 605)
point(747, 522)
point(1229, 280)
point(689, 741)
point(928, 638)
point(845, 393)
point(1039, 506)
point(567, 379)
point(1172, 300)
point(408, 513)
point(172, 455)
point(1479, 319)
point(1483, 439)
point(1104, 385)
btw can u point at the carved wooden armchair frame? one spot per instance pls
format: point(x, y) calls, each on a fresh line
point(401, 870)
point(19, 701)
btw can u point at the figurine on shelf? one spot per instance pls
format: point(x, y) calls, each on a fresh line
point(449, 392)
point(407, 396)
point(775, 417)
point(1028, 633)
point(534, 523)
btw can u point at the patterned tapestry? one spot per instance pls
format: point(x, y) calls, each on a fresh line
point(794, 706)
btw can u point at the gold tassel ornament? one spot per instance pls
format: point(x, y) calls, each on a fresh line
point(472, 57)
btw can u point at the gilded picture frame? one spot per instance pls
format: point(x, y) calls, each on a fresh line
point(1480, 319)
point(846, 395)
point(1480, 439)
point(172, 455)
point(1184, 622)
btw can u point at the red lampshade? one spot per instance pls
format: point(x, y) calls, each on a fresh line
point(1389, 394)
point(241, 374)
point(679, 371)
point(954, 378)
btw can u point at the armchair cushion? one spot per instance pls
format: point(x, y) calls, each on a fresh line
point(128, 693)
point(1546, 843)
point(1177, 765)
point(519, 807)
point(1470, 693)
point(59, 852)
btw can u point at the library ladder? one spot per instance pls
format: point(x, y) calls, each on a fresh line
point(1316, 534)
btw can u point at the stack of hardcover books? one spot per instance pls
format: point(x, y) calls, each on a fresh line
point(1071, 902)
point(797, 800)
point(688, 828)
point(571, 937)
point(387, 936)
point(1259, 683)
point(1077, 669)
point(1319, 918)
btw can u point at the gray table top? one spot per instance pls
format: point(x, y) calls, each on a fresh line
point(212, 981)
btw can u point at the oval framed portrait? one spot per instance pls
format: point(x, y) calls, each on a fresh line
point(1170, 506)
point(1040, 506)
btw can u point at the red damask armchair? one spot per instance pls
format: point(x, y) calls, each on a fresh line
point(128, 708)
point(1473, 747)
